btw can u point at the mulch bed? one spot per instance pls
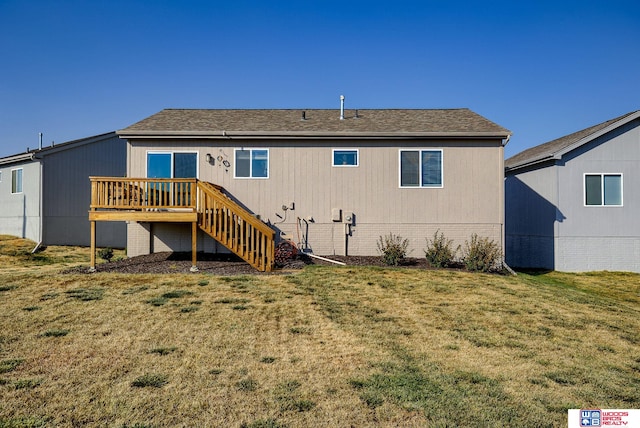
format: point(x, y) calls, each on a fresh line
point(229, 264)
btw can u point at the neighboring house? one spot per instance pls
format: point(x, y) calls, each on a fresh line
point(44, 193)
point(331, 184)
point(573, 204)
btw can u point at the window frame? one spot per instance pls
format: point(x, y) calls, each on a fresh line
point(333, 158)
point(250, 150)
point(420, 173)
point(602, 175)
point(14, 173)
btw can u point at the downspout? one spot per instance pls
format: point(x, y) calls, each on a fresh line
point(40, 208)
point(503, 231)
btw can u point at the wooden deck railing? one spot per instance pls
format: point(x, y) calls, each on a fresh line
point(217, 214)
point(142, 193)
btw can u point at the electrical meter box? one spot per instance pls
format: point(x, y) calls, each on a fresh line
point(348, 218)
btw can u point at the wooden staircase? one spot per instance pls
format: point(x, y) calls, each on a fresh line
point(204, 205)
point(234, 227)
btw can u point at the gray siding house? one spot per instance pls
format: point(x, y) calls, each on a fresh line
point(45, 193)
point(573, 204)
point(332, 182)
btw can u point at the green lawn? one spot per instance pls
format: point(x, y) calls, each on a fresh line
point(323, 347)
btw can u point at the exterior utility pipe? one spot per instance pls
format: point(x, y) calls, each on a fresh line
point(325, 259)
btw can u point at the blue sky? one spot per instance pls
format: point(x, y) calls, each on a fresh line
point(543, 69)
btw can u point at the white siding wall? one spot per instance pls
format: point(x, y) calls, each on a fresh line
point(20, 212)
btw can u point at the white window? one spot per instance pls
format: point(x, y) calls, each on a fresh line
point(348, 157)
point(16, 180)
point(421, 168)
point(251, 163)
point(603, 190)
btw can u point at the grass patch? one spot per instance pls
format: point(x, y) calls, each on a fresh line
point(7, 366)
point(55, 333)
point(135, 290)
point(188, 309)
point(4, 288)
point(24, 422)
point(247, 385)
point(176, 294)
point(232, 300)
point(85, 294)
point(162, 350)
point(27, 383)
point(49, 296)
point(31, 308)
point(157, 301)
point(263, 423)
point(150, 380)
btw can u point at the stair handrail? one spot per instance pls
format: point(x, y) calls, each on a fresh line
point(218, 191)
point(263, 256)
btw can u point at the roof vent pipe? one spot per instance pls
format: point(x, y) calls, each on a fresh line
point(341, 107)
point(40, 135)
point(304, 115)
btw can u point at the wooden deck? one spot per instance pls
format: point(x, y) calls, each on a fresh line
point(204, 205)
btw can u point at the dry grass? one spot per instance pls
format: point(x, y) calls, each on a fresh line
point(327, 346)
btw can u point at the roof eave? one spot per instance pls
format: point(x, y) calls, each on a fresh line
point(530, 163)
point(23, 157)
point(309, 134)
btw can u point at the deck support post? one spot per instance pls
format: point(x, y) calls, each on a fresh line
point(194, 247)
point(92, 268)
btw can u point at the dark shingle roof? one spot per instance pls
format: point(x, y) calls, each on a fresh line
point(184, 122)
point(558, 146)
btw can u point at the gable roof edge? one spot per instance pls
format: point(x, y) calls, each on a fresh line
point(557, 155)
point(629, 118)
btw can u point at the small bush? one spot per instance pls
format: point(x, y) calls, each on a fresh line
point(439, 252)
point(106, 254)
point(481, 254)
point(392, 248)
